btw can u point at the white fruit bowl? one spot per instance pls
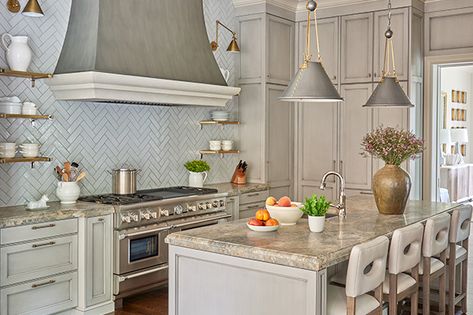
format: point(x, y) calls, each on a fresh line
point(255, 228)
point(286, 215)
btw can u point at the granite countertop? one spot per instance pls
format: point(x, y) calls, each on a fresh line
point(18, 215)
point(234, 190)
point(296, 246)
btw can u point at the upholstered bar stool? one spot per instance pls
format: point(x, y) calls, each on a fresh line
point(404, 256)
point(435, 244)
point(366, 271)
point(458, 248)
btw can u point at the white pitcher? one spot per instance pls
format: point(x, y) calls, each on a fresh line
point(18, 53)
point(197, 179)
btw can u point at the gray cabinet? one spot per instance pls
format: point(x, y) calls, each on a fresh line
point(250, 202)
point(98, 268)
point(232, 207)
point(266, 130)
point(356, 121)
point(357, 48)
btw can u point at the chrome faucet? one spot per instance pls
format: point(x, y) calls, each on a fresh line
point(341, 207)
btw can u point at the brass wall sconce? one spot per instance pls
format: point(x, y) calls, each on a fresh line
point(32, 8)
point(233, 47)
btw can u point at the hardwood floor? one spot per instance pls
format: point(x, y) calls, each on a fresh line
point(156, 302)
point(151, 303)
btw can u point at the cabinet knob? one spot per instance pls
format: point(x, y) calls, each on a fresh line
point(375, 74)
point(369, 75)
point(334, 77)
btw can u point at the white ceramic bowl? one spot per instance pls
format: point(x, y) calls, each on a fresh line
point(10, 108)
point(286, 215)
point(255, 228)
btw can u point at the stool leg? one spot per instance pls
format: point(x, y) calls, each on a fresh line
point(464, 271)
point(415, 296)
point(392, 294)
point(443, 282)
point(451, 281)
point(426, 286)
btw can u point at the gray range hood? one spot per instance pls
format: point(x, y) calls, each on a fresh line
point(139, 51)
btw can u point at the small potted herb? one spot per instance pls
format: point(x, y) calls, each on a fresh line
point(197, 172)
point(316, 208)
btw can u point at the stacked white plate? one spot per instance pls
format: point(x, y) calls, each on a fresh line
point(219, 115)
point(10, 105)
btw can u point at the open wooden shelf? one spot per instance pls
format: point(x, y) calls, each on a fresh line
point(32, 117)
point(33, 76)
point(221, 123)
point(221, 152)
point(24, 160)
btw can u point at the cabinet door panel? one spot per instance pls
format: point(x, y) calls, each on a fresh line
point(280, 50)
point(252, 131)
point(280, 142)
point(329, 44)
point(400, 27)
point(99, 251)
point(357, 48)
point(318, 140)
point(356, 122)
point(251, 37)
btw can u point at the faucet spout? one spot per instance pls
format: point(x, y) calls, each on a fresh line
point(341, 206)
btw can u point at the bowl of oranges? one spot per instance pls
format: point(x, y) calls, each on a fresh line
point(262, 222)
point(284, 210)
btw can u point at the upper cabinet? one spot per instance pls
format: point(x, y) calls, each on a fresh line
point(329, 35)
point(357, 48)
point(251, 58)
point(280, 54)
point(400, 27)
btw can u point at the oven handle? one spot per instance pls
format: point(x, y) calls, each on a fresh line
point(127, 235)
point(202, 221)
point(139, 274)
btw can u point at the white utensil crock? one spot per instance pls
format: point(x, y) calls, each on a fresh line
point(316, 224)
point(68, 192)
point(197, 179)
point(18, 53)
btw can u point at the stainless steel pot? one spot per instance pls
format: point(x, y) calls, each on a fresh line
point(124, 181)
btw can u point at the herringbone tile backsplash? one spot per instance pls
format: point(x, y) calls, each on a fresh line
point(155, 139)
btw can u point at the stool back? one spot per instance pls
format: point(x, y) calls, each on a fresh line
point(405, 249)
point(436, 235)
point(460, 224)
point(367, 266)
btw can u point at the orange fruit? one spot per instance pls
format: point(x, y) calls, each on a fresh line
point(271, 222)
point(284, 202)
point(262, 214)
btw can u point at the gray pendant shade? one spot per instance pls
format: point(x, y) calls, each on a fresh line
point(311, 84)
point(389, 93)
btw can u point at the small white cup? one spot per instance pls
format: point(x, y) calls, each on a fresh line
point(215, 145)
point(29, 150)
point(227, 145)
point(28, 108)
point(7, 150)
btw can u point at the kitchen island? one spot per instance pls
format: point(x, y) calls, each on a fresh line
point(228, 269)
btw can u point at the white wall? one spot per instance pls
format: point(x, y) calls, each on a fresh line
point(460, 79)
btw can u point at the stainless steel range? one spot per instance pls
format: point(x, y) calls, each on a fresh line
point(141, 223)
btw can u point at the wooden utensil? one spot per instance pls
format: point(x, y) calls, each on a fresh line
point(81, 176)
point(65, 177)
point(67, 168)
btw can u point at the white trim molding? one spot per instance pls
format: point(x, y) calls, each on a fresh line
point(117, 88)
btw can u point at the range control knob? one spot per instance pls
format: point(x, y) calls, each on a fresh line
point(216, 204)
point(209, 205)
point(145, 215)
point(178, 209)
point(202, 206)
point(164, 212)
point(192, 208)
point(222, 203)
point(153, 214)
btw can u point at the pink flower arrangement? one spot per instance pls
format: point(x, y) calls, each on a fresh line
point(391, 145)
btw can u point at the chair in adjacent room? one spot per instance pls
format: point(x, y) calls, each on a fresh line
point(366, 272)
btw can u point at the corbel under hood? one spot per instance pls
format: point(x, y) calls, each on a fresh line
point(139, 51)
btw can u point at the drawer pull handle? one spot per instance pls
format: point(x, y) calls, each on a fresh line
point(37, 227)
point(366, 193)
point(253, 195)
point(45, 244)
point(101, 219)
point(36, 285)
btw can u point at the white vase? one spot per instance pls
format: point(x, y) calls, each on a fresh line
point(18, 53)
point(316, 224)
point(197, 179)
point(68, 192)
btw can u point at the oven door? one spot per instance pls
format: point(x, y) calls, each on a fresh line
point(140, 249)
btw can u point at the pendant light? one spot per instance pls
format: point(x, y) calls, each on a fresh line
point(389, 92)
point(33, 9)
point(311, 82)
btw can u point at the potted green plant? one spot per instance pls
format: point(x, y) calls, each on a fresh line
point(197, 172)
point(391, 184)
point(316, 208)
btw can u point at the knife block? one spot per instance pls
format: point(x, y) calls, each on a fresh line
point(238, 178)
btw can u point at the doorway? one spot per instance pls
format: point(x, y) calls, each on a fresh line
point(451, 151)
